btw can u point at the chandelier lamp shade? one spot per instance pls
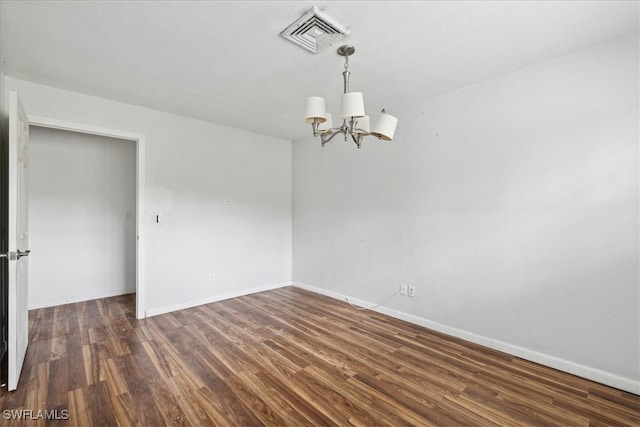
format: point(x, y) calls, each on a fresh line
point(355, 123)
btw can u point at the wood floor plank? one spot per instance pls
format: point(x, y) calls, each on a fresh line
point(228, 405)
point(124, 409)
point(332, 393)
point(285, 357)
point(194, 412)
point(79, 407)
point(369, 387)
point(172, 413)
point(38, 381)
point(253, 401)
point(58, 382)
point(276, 402)
point(99, 402)
point(280, 391)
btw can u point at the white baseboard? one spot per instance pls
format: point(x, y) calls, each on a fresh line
point(80, 298)
point(627, 384)
point(214, 298)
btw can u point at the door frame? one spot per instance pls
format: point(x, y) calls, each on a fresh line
point(139, 139)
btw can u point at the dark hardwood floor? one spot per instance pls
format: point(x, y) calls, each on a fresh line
point(284, 357)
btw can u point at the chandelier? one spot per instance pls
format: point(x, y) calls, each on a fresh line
point(355, 123)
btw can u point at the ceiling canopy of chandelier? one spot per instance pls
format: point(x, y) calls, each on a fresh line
point(355, 123)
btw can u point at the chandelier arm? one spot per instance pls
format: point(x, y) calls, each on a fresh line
point(324, 138)
point(356, 139)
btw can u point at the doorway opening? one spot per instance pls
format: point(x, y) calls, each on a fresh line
point(131, 217)
point(81, 217)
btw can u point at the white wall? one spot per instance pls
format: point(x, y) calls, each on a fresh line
point(192, 167)
point(82, 205)
point(512, 206)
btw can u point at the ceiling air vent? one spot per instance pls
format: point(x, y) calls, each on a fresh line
point(314, 31)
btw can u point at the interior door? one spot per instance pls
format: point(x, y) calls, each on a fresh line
point(18, 239)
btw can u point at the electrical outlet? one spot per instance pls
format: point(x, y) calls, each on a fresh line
point(412, 291)
point(403, 288)
point(212, 278)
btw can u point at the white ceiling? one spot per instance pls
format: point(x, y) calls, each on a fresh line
point(224, 62)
